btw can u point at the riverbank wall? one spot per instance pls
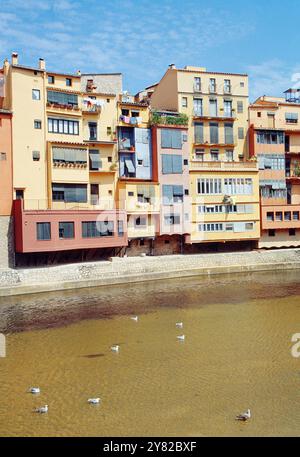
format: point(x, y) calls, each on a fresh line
point(137, 269)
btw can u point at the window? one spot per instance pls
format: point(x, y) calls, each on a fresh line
point(213, 108)
point(227, 108)
point(198, 130)
point(171, 138)
point(267, 137)
point(292, 232)
point(69, 82)
point(227, 86)
point(185, 162)
point(19, 194)
point(209, 186)
point(135, 113)
point(186, 191)
point(238, 186)
point(172, 219)
point(51, 79)
point(125, 112)
point(287, 216)
point(258, 114)
point(43, 231)
point(271, 232)
point(95, 162)
point(62, 98)
point(66, 230)
point(270, 216)
point(76, 193)
point(197, 84)
point(241, 135)
point(171, 164)
point(240, 107)
point(210, 227)
point(296, 215)
point(214, 132)
point(145, 194)
point(214, 155)
point(212, 85)
point(291, 118)
point(36, 155)
point(228, 133)
point(229, 155)
point(109, 159)
point(242, 84)
point(199, 154)
point(108, 130)
point(120, 228)
point(93, 131)
point(172, 194)
point(93, 229)
point(184, 102)
point(63, 126)
point(37, 124)
point(249, 226)
point(278, 216)
point(69, 155)
point(140, 221)
point(36, 94)
point(108, 100)
point(198, 106)
point(3, 156)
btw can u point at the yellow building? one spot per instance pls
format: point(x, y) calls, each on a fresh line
point(223, 182)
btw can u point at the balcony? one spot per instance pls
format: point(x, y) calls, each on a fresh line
point(66, 108)
point(198, 115)
point(27, 238)
point(196, 165)
point(228, 143)
point(280, 216)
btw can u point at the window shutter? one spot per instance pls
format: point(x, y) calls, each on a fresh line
point(199, 132)
point(177, 164)
point(166, 164)
point(166, 140)
point(176, 139)
point(167, 194)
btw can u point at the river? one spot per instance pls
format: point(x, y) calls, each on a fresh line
point(236, 355)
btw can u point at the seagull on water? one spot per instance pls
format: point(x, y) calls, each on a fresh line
point(115, 348)
point(94, 401)
point(179, 324)
point(181, 337)
point(244, 417)
point(42, 409)
point(134, 318)
point(34, 390)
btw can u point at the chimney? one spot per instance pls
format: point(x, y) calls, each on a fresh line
point(42, 64)
point(172, 66)
point(14, 58)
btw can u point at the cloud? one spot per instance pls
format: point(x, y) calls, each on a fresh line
point(136, 38)
point(272, 78)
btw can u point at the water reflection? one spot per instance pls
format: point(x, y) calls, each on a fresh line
point(236, 355)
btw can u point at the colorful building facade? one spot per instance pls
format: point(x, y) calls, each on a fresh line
point(223, 182)
point(274, 138)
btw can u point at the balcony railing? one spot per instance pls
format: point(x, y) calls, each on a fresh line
point(196, 164)
point(218, 116)
point(64, 106)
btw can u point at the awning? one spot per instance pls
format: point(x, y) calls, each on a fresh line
point(130, 166)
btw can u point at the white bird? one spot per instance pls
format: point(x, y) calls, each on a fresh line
point(94, 401)
point(42, 409)
point(179, 324)
point(34, 390)
point(115, 348)
point(244, 417)
point(134, 318)
point(181, 337)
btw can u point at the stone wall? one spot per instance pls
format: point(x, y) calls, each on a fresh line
point(6, 242)
point(135, 269)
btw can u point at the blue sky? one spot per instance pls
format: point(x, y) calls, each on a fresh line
point(141, 38)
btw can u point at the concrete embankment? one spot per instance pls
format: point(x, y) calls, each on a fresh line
point(137, 269)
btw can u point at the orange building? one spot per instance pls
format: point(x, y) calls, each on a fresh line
point(274, 138)
point(6, 232)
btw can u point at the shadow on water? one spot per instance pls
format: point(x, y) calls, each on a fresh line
point(58, 309)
